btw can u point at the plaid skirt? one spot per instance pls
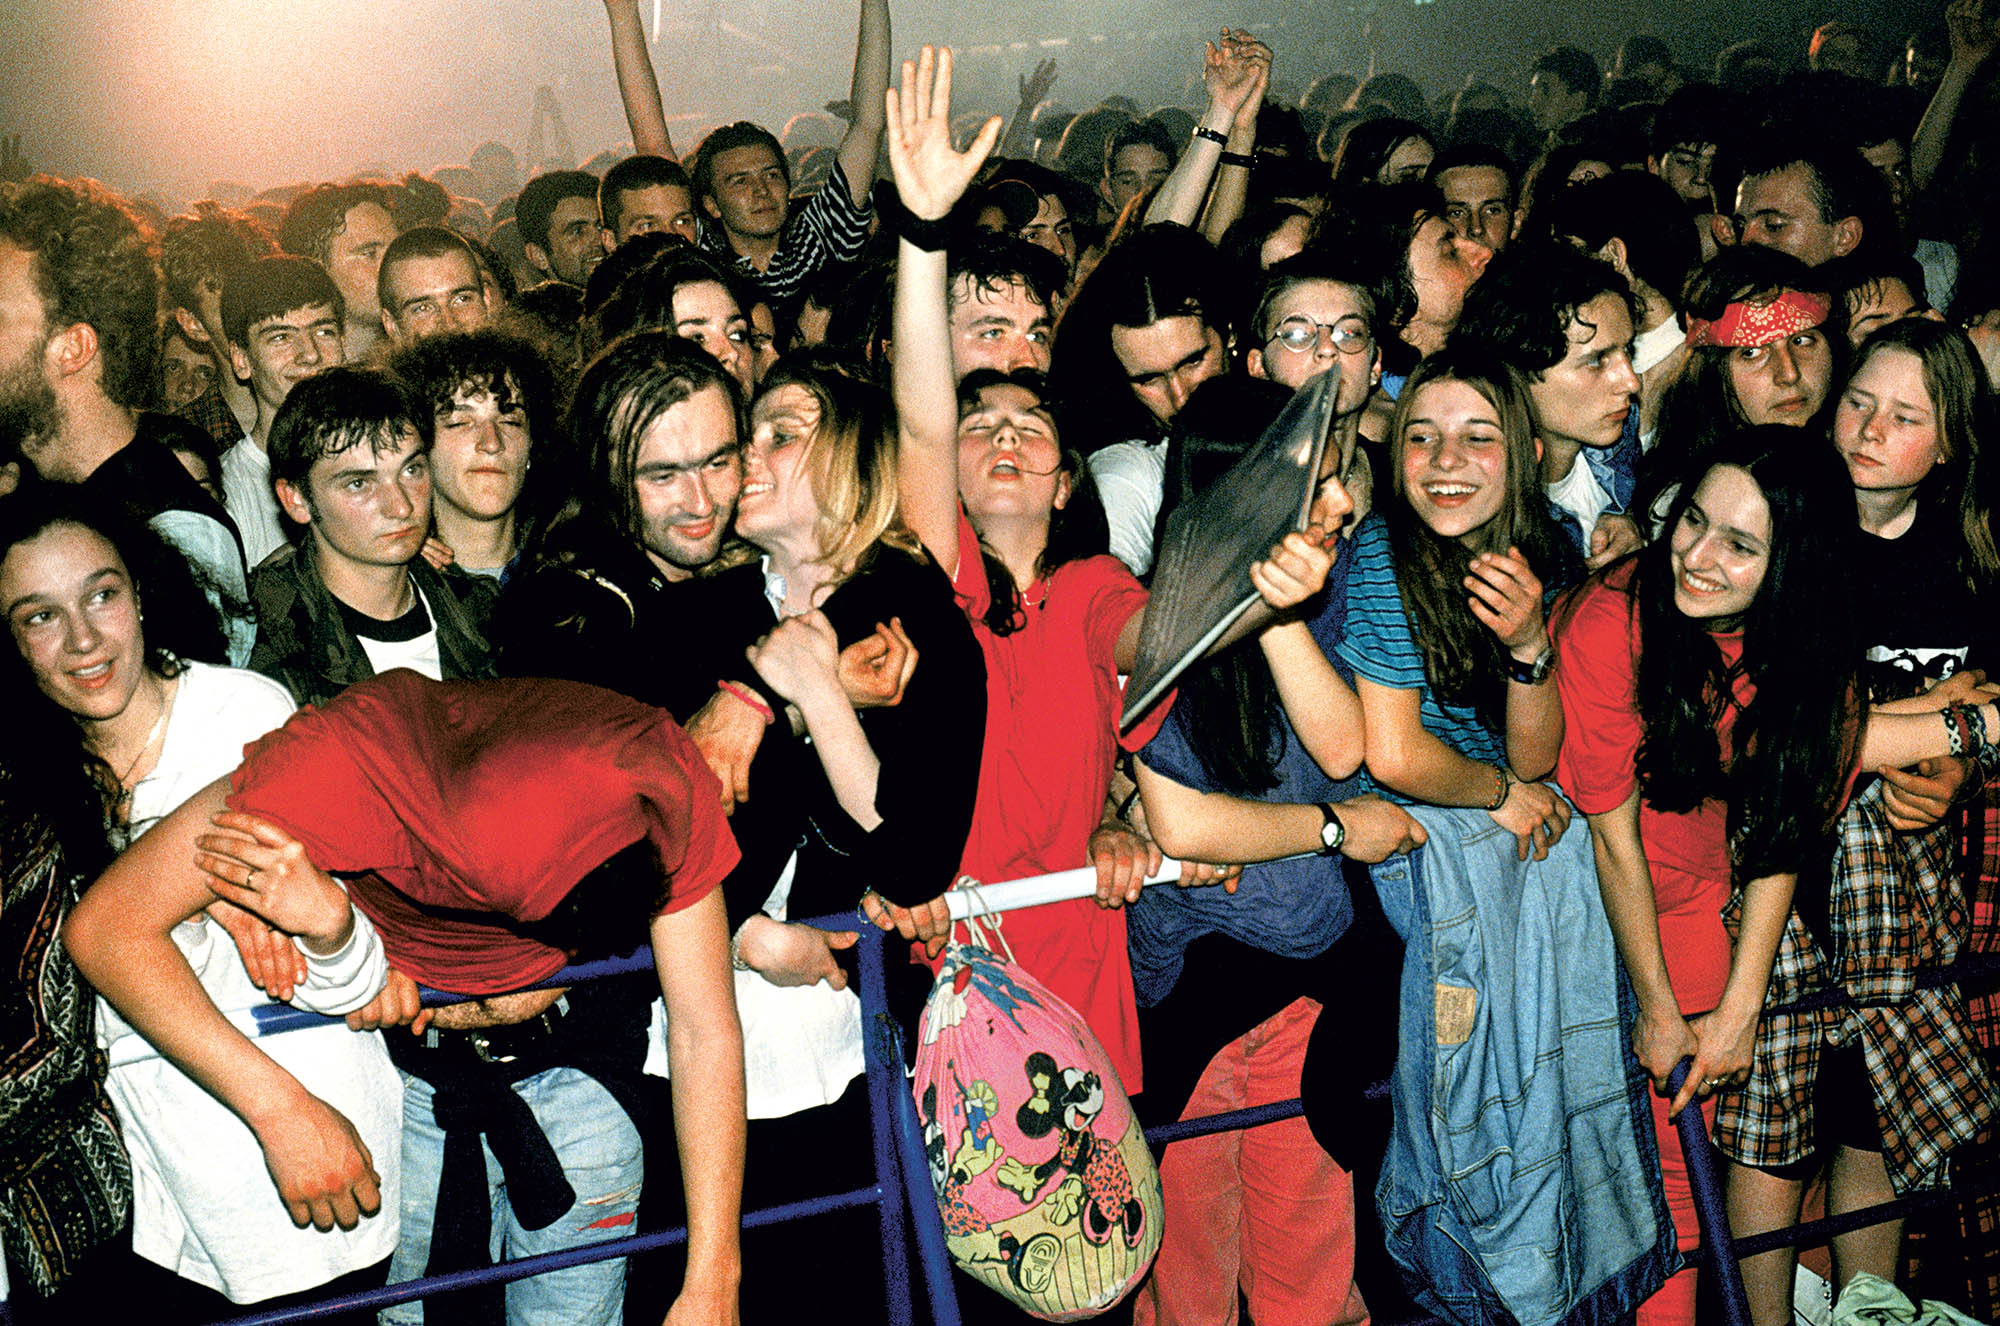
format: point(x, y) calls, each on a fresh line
point(1898, 905)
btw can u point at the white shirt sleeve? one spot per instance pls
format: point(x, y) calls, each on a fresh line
point(1130, 477)
point(348, 978)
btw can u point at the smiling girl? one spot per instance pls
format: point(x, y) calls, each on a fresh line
point(1445, 628)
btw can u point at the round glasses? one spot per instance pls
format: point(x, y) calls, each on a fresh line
point(1300, 335)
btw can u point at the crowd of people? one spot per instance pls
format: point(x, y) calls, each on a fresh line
point(437, 581)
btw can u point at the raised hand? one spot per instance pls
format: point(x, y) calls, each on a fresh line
point(931, 175)
point(13, 165)
point(1972, 36)
point(1035, 86)
point(1233, 67)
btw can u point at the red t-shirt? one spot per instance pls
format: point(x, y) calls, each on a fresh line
point(1688, 853)
point(1052, 702)
point(462, 806)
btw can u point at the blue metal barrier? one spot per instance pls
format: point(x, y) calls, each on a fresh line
point(904, 1200)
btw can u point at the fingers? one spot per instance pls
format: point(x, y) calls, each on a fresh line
point(909, 653)
point(877, 911)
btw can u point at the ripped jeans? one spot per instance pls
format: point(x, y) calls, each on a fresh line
point(601, 1158)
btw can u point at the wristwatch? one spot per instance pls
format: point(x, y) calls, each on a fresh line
point(1332, 834)
point(1535, 673)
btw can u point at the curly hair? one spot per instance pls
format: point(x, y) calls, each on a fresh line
point(207, 246)
point(93, 263)
point(320, 213)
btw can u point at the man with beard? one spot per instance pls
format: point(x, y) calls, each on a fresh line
point(79, 300)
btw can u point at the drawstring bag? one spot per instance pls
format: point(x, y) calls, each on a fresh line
point(1048, 1192)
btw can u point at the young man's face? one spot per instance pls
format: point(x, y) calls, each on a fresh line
point(1005, 328)
point(652, 208)
point(1315, 326)
point(1478, 204)
point(1876, 305)
point(1587, 397)
point(1136, 168)
point(687, 473)
point(428, 295)
point(479, 458)
point(367, 507)
point(185, 372)
point(280, 352)
point(1686, 169)
point(574, 247)
point(1165, 361)
point(1443, 264)
point(1551, 103)
point(750, 195)
point(1891, 160)
point(1777, 210)
point(354, 257)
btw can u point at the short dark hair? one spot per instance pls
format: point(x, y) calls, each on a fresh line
point(506, 366)
point(644, 300)
point(273, 286)
point(1460, 156)
point(208, 244)
point(320, 213)
point(1644, 212)
point(1317, 264)
point(1642, 48)
point(994, 262)
point(727, 138)
point(1523, 306)
point(1576, 67)
point(1841, 183)
point(1870, 266)
point(334, 411)
point(420, 242)
point(1147, 132)
point(644, 171)
point(541, 195)
point(92, 263)
point(492, 264)
point(1693, 115)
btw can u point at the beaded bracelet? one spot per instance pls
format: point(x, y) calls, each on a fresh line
point(1506, 785)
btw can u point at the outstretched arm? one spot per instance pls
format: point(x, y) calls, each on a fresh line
point(1034, 87)
point(931, 176)
point(705, 1066)
point(120, 938)
point(871, 80)
point(1235, 66)
point(637, 86)
point(1232, 180)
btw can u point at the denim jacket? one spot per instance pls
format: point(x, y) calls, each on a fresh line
point(1616, 469)
point(1522, 1182)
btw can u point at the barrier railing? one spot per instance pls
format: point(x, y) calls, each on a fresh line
point(902, 1194)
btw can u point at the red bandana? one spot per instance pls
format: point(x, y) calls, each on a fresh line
point(1746, 323)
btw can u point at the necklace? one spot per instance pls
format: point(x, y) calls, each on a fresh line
point(159, 726)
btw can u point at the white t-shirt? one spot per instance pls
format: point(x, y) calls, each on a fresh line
point(419, 653)
point(1131, 477)
point(203, 1204)
point(247, 495)
point(1579, 493)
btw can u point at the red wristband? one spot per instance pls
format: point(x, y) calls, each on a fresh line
point(748, 697)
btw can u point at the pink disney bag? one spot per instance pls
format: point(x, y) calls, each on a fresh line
point(1048, 1192)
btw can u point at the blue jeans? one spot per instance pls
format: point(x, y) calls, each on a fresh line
point(601, 1158)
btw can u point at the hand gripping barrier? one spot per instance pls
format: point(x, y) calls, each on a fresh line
point(906, 1208)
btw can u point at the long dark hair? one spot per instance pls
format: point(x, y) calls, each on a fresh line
point(1464, 661)
point(69, 782)
point(1794, 745)
point(1962, 408)
point(1228, 702)
point(1077, 529)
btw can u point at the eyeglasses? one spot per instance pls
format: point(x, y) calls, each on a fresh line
point(1300, 335)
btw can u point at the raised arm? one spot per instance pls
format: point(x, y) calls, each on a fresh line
point(120, 938)
point(705, 1066)
point(637, 86)
point(1232, 180)
point(931, 176)
point(1972, 42)
point(1234, 66)
point(1034, 87)
point(871, 80)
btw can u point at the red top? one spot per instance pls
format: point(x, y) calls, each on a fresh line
point(1688, 853)
point(463, 806)
point(1052, 701)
